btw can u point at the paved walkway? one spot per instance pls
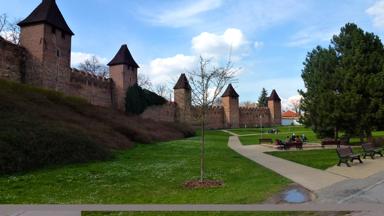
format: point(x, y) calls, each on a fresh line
point(74, 210)
point(310, 178)
point(361, 183)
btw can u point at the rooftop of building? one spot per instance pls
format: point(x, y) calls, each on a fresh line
point(183, 83)
point(123, 57)
point(230, 92)
point(47, 12)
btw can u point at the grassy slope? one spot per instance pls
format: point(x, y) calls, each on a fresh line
point(40, 127)
point(112, 128)
point(320, 159)
point(149, 174)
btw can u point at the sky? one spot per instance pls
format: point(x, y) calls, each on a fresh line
point(267, 40)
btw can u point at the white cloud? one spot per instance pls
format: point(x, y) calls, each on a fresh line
point(209, 45)
point(185, 15)
point(163, 70)
point(80, 57)
point(377, 12)
point(311, 35)
point(213, 45)
point(258, 44)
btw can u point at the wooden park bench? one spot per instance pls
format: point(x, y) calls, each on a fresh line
point(371, 150)
point(266, 140)
point(346, 154)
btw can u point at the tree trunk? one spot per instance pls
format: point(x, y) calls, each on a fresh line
point(361, 137)
point(369, 135)
point(337, 137)
point(202, 147)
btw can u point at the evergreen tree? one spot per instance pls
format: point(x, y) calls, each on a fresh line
point(138, 99)
point(345, 84)
point(263, 99)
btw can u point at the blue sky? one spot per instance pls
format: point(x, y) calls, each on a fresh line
point(269, 38)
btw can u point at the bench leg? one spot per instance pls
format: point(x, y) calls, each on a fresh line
point(360, 160)
point(346, 162)
point(373, 155)
point(380, 153)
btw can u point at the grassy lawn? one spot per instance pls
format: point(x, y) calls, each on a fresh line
point(282, 129)
point(320, 159)
point(251, 136)
point(152, 173)
point(206, 214)
point(247, 138)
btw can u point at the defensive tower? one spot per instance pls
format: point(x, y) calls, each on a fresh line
point(230, 100)
point(274, 105)
point(123, 72)
point(183, 98)
point(47, 37)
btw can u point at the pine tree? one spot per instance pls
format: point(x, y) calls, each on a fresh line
point(263, 99)
point(345, 84)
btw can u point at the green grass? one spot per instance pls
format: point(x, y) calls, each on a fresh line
point(320, 159)
point(251, 136)
point(148, 174)
point(40, 128)
point(203, 214)
point(282, 129)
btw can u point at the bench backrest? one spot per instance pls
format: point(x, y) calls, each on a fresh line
point(367, 146)
point(344, 152)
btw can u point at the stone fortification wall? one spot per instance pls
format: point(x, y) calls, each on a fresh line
point(250, 117)
point(215, 118)
point(12, 63)
point(16, 64)
point(166, 112)
point(95, 89)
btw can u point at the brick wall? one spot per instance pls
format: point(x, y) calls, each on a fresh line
point(250, 117)
point(95, 89)
point(12, 64)
point(166, 112)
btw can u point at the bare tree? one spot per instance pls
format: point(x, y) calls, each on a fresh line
point(208, 82)
point(3, 22)
point(144, 81)
point(163, 90)
point(249, 104)
point(10, 31)
point(93, 66)
point(295, 103)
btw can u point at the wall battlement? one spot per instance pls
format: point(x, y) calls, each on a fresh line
point(89, 79)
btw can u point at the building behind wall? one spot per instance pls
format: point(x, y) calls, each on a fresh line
point(43, 59)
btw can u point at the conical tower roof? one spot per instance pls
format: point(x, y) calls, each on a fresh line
point(123, 56)
point(183, 83)
point(274, 96)
point(48, 13)
point(230, 92)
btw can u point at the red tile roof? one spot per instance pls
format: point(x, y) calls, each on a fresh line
point(290, 114)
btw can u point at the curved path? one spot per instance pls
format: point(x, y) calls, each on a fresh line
point(310, 178)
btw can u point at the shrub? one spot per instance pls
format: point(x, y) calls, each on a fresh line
point(27, 144)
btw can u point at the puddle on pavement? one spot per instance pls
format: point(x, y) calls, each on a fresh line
point(295, 196)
